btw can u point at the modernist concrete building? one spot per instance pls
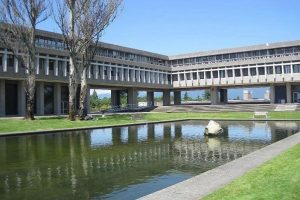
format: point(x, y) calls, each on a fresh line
point(119, 68)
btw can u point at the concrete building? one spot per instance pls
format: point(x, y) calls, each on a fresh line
point(120, 68)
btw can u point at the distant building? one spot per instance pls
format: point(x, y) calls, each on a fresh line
point(247, 95)
point(267, 95)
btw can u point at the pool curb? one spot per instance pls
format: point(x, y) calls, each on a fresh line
point(203, 184)
point(6, 134)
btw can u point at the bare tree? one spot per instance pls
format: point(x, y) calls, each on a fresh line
point(19, 19)
point(95, 17)
point(82, 23)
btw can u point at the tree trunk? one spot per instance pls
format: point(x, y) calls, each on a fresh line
point(83, 95)
point(72, 91)
point(30, 92)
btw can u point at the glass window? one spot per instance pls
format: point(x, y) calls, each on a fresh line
point(215, 74)
point(175, 77)
point(229, 73)
point(270, 70)
point(278, 69)
point(188, 76)
point(181, 77)
point(245, 72)
point(261, 71)
point(287, 69)
point(237, 72)
point(253, 71)
point(222, 73)
point(195, 75)
point(201, 75)
point(208, 75)
point(296, 68)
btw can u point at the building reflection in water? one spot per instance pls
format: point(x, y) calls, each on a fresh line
point(93, 163)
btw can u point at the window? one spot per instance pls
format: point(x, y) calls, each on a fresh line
point(195, 75)
point(229, 73)
point(296, 68)
point(237, 72)
point(181, 77)
point(287, 69)
point(270, 70)
point(222, 73)
point(245, 72)
point(201, 75)
point(215, 74)
point(253, 71)
point(208, 75)
point(188, 76)
point(175, 77)
point(261, 71)
point(278, 69)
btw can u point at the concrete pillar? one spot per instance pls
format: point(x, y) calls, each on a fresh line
point(288, 93)
point(214, 96)
point(272, 93)
point(177, 97)
point(21, 98)
point(47, 65)
point(37, 68)
point(132, 96)
point(223, 96)
point(65, 68)
point(166, 98)
point(4, 61)
point(40, 98)
point(115, 98)
point(16, 65)
point(2, 98)
point(150, 98)
point(57, 98)
point(56, 67)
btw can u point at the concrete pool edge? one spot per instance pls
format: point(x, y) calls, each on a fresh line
point(203, 184)
point(5, 134)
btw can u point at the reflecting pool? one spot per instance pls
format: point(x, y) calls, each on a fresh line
point(124, 162)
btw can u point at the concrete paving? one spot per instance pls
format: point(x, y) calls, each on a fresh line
point(208, 182)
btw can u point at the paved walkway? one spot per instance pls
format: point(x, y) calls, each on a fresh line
point(207, 182)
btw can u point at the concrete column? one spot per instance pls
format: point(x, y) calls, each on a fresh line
point(177, 97)
point(37, 68)
point(150, 98)
point(40, 98)
point(65, 68)
point(4, 60)
point(166, 98)
point(47, 65)
point(272, 93)
point(132, 96)
point(101, 72)
point(223, 96)
point(288, 93)
point(21, 98)
point(96, 71)
point(57, 98)
point(56, 67)
point(115, 98)
point(121, 70)
point(16, 65)
point(2, 98)
point(214, 96)
point(108, 69)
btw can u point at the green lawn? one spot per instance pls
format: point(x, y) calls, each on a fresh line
point(50, 123)
point(276, 179)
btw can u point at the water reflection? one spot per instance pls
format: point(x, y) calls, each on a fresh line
point(124, 161)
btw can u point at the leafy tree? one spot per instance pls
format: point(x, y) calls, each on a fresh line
point(206, 95)
point(186, 96)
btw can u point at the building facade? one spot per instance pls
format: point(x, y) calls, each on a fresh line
point(120, 68)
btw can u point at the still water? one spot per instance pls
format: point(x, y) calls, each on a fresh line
point(125, 162)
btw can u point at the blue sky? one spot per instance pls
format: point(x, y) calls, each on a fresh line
point(176, 26)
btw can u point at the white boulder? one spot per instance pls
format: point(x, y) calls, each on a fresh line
point(213, 128)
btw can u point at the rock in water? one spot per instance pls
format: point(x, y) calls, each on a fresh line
point(213, 128)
